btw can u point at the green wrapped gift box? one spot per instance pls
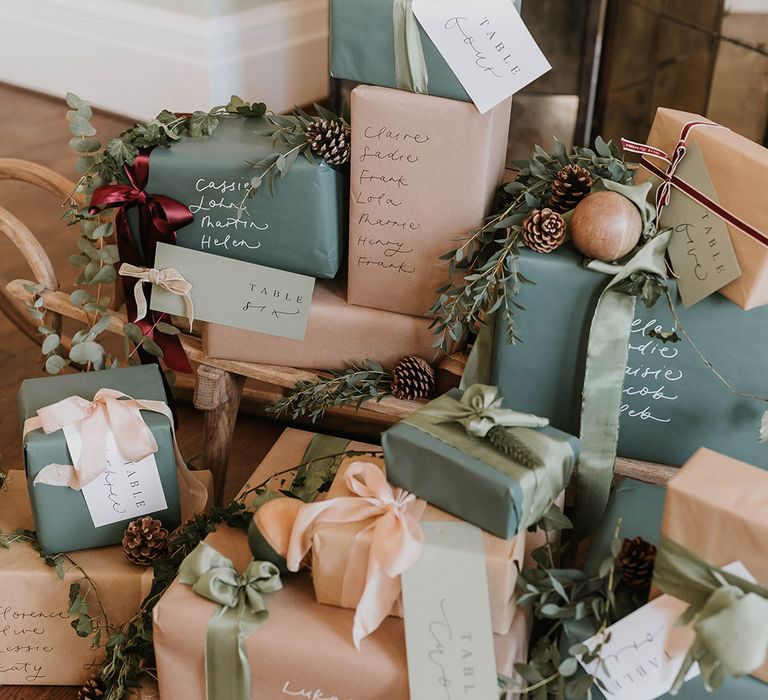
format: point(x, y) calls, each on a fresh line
point(300, 229)
point(640, 506)
point(62, 518)
point(363, 48)
point(672, 403)
point(469, 478)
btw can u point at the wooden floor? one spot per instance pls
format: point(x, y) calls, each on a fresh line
point(33, 127)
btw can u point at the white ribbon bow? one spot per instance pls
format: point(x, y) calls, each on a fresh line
point(169, 279)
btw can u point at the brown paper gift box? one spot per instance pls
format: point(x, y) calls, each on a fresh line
point(717, 507)
point(338, 334)
point(304, 650)
point(332, 542)
point(738, 168)
point(424, 172)
point(37, 643)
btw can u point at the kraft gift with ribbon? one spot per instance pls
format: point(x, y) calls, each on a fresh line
point(131, 404)
point(437, 454)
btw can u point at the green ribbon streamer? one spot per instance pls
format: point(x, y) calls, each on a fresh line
point(607, 354)
point(478, 367)
point(410, 66)
point(729, 615)
point(322, 447)
point(539, 486)
point(242, 611)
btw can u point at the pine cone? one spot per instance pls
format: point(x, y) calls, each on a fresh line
point(413, 378)
point(329, 138)
point(93, 689)
point(544, 230)
point(144, 541)
point(512, 446)
point(635, 561)
point(571, 185)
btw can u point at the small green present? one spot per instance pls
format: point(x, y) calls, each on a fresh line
point(465, 454)
point(63, 520)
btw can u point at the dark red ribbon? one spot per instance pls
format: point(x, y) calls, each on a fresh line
point(159, 219)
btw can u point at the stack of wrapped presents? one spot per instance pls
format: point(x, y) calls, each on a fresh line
point(486, 547)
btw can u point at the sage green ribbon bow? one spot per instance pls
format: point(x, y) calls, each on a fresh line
point(242, 611)
point(479, 410)
point(729, 615)
point(410, 66)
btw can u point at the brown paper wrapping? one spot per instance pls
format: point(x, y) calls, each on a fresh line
point(717, 507)
point(338, 334)
point(738, 168)
point(305, 649)
point(424, 172)
point(37, 644)
point(332, 542)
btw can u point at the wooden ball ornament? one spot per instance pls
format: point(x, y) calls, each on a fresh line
point(605, 226)
point(270, 531)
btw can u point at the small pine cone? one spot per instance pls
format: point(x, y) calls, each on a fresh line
point(330, 139)
point(512, 446)
point(544, 230)
point(635, 561)
point(413, 378)
point(570, 186)
point(93, 689)
point(144, 541)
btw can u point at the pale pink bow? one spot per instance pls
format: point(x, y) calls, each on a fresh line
point(169, 279)
point(384, 549)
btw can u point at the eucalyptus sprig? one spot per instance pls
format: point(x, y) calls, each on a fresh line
point(353, 386)
point(483, 270)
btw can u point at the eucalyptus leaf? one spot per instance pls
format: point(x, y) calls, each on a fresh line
point(79, 297)
point(54, 364)
point(50, 343)
point(73, 101)
point(84, 145)
point(151, 347)
point(80, 126)
point(88, 351)
point(133, 333)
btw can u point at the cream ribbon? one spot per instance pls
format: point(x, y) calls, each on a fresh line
point(169, 279)
point(115, 412)
point(385, 548)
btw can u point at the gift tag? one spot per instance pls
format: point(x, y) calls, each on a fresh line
point(700, 250)
point(235, 293)
point(486, 44)
point(125, 490)
point(646, 648)
point(448, 633)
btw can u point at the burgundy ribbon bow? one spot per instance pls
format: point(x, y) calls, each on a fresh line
point(159, 219)
point(670, 179)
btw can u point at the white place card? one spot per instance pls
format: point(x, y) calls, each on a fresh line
point(486, 44)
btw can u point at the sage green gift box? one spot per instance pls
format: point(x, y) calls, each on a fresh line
point(62, 519)
point(640, 507)
point(363, 48)
point(300, 229)
point(485, 488)
point(672, 403)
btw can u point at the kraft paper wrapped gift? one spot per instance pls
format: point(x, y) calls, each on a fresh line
point(738, 169)
point(424, 174)
point(332, 544)
point(363, 48)
point(672, 402)
point(37, 643)
point(62, 518)
point(640, 507)
point(468, 477)
point(303, 650)
point(300, 229)
point(338, 334)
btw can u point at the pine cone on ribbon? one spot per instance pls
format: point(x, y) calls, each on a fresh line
point(570, 186)
point(144, 541)
point(635, 561)
point(544, 230)
point(330, 139)
point(413, 378)
point(93, 689)
point(512, 446)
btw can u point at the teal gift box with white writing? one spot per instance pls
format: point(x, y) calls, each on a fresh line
point(300, 228)
point(672, 402)
point(62, 519)
point(363, 48)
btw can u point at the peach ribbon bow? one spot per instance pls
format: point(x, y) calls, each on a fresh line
point(383, 549)
point(169, 279)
